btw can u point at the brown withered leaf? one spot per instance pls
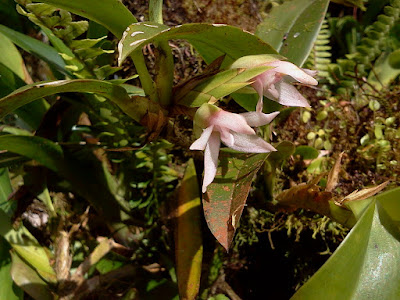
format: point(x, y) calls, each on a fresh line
point(363, 194)
point(333, 176)
point(306, 196)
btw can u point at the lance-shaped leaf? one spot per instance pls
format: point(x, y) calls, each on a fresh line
point(367, 263)
point(40, 149)
point(205, 37)
point(291, 28)
point(218, 86)
point(112, 14)
point(188, 239)
point(113, 92)
point(226, 196)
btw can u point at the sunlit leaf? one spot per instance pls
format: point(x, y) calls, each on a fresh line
point(188, 237)
point(10, 57)
point(36, 47)
point(291, 28)
point(226, 196)
point(219, 86)
point(27, 279)
point(367, 263)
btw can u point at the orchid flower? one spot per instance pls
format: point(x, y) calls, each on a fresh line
point(275, 83)
point(234, 130)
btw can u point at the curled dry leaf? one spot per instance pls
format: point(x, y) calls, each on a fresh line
point(363, 194)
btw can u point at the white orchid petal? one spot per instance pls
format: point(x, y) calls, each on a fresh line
point(231, 121)
point(271, 92)
point(312, 73)
point(290, 96)
point(201, 142)
point(250, 143)
point(256, 119)
point(292, 70)
point(211, 159)
point(226, 137)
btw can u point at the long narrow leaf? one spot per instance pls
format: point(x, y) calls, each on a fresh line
point(38, 48)
point(205, 37)
point(188, 239)
point(29, 93)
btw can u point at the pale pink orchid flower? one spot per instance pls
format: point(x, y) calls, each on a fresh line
point(234, 130)
point(276, 82)
point(276, 85)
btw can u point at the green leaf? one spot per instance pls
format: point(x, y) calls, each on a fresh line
point(8, 291)
point(32, 113)
point(291, 28)
point(114, 92)
point(40, 149)
point(226, 196)
point(219, 85)
point(212, 41)
point(112, 14)
point(367, 263)
point(306, 152)
point(37, 48)
point(10, 56)
point(27, 279)
point(188, 236)
point(385, 70)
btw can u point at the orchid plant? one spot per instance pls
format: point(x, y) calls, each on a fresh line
point(93, 146)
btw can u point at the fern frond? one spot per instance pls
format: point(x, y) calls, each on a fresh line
point(320, 56)
point(80, 55)
point(373, 43)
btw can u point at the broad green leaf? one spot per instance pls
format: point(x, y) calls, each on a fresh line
point(291, 28)
point(218, 86)
point(40, 149)
point(211, 40)
point(8, 290)
point(112, 14)
point(36, 47)
point(27, 279)
point(114, 92)
point(367, 263)
point(226, 196)
point(188, 235)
